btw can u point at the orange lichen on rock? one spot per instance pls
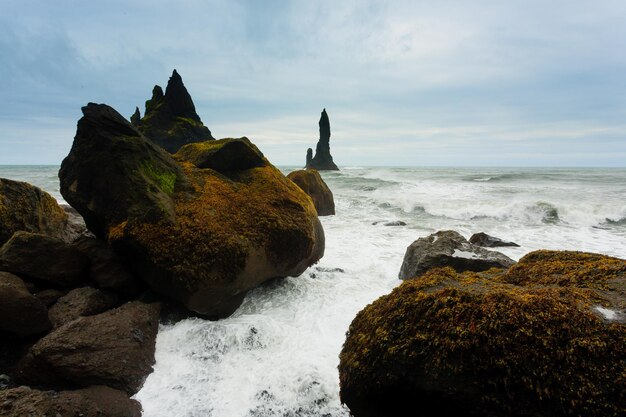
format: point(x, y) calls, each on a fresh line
point(451, 343)
point(311, 182)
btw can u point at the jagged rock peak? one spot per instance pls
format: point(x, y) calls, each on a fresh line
point(170, 119)
point(323, 160)
point(136, 117)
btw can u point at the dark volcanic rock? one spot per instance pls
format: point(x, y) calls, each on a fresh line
point(111, 165)
point(170, 119)
point(135, 119)
point(449, 248)
point(26, 207)
point(483, 239)
point(197, 235)
point(81, 302)
point(115, 348)
point(475, 344)
point(106, 267)
point(21, 313)
point(50, 296)
point(96, 401)
point(323, 160)
point(309, 157)
point(223, 155)
point(44, 258)
point(311, 182)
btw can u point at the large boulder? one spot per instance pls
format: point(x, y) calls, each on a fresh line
point(96, 401)
point(21, 313)
point(170, 119)
point(224, 155)
point(485, 240)
point(80, 302)
point(449, 248)
point(312, 183)
point(114, 348)
point(323, 160)
point(44, 258)
point(473, 344)
point(198, 235)
point(26, 207)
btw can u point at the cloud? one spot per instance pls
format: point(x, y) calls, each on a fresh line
point(437, 78)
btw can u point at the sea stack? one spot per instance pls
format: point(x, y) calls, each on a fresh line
point(170, 119)
point(323, 160)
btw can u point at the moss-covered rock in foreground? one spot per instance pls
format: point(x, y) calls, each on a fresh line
point(312, 183)
point(201, 236)
point(28, 208)
point(472, 344)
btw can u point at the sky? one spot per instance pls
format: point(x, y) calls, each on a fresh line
point(405, 83)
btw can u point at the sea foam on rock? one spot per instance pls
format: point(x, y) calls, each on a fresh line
point(196, 229)
point(449, 248)
point(522, 342)
point(311, 182)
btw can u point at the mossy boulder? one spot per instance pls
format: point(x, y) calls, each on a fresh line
point(201, 236)
point(474, 344)
point(312, 183)
point(28, 208)
point(223, 155)
point(170, 119)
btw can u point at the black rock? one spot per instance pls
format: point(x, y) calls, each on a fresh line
point(136, 117)
point(449, 248)
point(170, 119)
point(323, 160)
point(483, 239)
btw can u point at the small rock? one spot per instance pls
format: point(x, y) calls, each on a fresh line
point(483, 239)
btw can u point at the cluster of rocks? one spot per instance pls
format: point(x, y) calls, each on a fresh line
point(472, 333)
point(193, 231)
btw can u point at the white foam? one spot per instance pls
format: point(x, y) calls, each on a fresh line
point(463, 254)
point(607, 313)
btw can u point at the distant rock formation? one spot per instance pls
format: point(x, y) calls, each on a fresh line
point(323, 160)
point(170, 119)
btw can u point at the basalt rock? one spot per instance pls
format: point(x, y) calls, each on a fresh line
point(97, 401)
point(203, 227)
point(170, 119)
point(44, 258)
point(449, 248)
point(21, 313)
point(114, 348)
point(135, 119)
point(484, 240)
point(81, 302)
point(311, 182)
point(540, 339)
point(28, 208)
point(323, 160)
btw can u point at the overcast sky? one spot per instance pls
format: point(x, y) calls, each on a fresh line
point(488, 83)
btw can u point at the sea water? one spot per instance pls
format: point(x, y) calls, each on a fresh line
point(278, 354)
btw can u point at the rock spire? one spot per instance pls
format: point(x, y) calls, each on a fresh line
point(323, 160)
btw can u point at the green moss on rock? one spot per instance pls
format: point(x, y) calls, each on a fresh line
point(311, 182)
point(457, 344)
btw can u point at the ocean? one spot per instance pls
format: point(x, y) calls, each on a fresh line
point(278, 354)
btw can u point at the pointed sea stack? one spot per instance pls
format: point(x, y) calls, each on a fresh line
point(170, 119)
point(323, 160)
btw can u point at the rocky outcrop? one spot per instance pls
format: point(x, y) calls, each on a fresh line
point(28, 208)
point(44, 258)
point(20, 312)
point(540, 339)
point(323, 160)
point(114, 348)
point(170, 119)
point(449, 248)
point(94, 401)
point(201, 236)
point(484, 240)
point(311, 182)
point(80, 302)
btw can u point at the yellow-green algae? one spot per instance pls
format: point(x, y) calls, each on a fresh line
point(536, 349)
point(220, 220)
